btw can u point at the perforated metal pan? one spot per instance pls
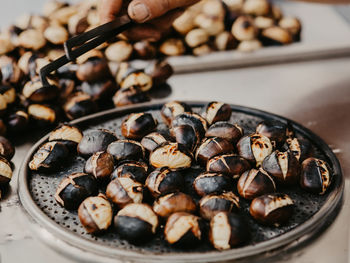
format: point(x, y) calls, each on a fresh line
point(62, 230)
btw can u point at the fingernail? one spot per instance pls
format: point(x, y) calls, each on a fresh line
point(139, 12)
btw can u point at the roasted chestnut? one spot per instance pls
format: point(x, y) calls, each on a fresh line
point(102, 90)
point(133, 169)
point(164, 181)
point(196, 37)
point(209, 183)
point(263, 22)
point(49, 157)
point(228, 230)
point(184, 23)
point(168, 204)
point(136, 78)
point(172, 47)
point(129, 96)
point(213, 25)
point(77, 24)
point(243, 28)
point(73, 189)
point(283, 166)
point(211, 147)
point(78, 105)
point(145, 50)
point(230, 164)
point(7, 150)
point(3, 105)
point(119, 51)
point(153, 140)
point(254, 183)
point(68, 134)
point(293, 25)
point(171, 109)
point(160, 71)
point(42, 114)
point(124, 190)
point(316, 176)
point(17, 121)
point(136, 222)
point(56, 34)
point(11, 74)
point(138, 125)
point(256, 7)
point(93, 68)
point(172, 155)
point(5, 171)
point(95, 214)
point(225, 130)
point(198, 123)
point(272, 209)
point(95, 141)
point(31, 39)
point(6, 45)
point(274, 130)
point(216, 111)
point(3, 127)
point(36, 92)
point(249, 45)
point(301, 148)
point(100, 165)
point(254, 147)
point(8, 93)
point(126, 150)
point(212, 204)
point(276, 36)
point(183, 229)
point(186, 135)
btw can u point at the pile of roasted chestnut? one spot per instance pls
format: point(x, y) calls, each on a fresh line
point(138, 181)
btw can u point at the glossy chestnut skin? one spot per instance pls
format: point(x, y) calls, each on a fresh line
point(126, 150)
point(228, 230)
point(7, 150)
point(95, 141)
point(254, 147)
point(186, 135)
point(272, 209)
point(316, 176)
point(164, 181)
point(254, 183)
point(5, 171)
point(94, 69)
point(209, 183)
point(212, 147)
point(133, 169)
point(160, 71)
point(124, 190)
point(138, 125)
point(102, 90)
point(171, 109)
point(17, 121)
point(153, 140)
point(225, 130)
point(78, 105)
point(100, 165)
point(172, 155)
point(230, 164)
point(49, 157)
point(129, 96)
point(183, 230)
point(136, 223)
point(216, 111)
point(301, 148)
point(283, 166)
point(73, 189)
point(168, 204)
point(36, 92)
point(68, 134)
point(212, 204)
point(276, 131)
point(95, 214)
point(198, 123)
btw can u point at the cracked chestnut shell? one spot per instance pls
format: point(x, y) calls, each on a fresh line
point(186, 135)
point(300, 148)
point(100, 165)
point(254, 147)
point(94, 69)
point(230, 164)
point(254, 183)
point(73, 189)
point(95, 141)
point(153, 140)
point(272, 209)
point(124, 190)
point(274, 130)
point(95, 214)
point(43, 115)
point(133, 169)
point(138, 125)
point(136, 223)
point(276, 36)
point(68, 134)
point(316, 176)
point(216, 111)
point(101, 90)
point(5, 171)
point(164, 181)
point(225, 130)
point(136, 78)
point(126, 150)
point(36, 92)
point(198, 123)
point(183, 229)
point(49, 157)
point(168, 204)
point(209, 183)
point(211, 147)
point(283, 166)
point(7, 150)
point(228, 230)
point(212, 204)
point(171, 109)
point(172, 155)
point(129, 96)
point(78, 105)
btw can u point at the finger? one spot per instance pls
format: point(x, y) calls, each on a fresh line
point(165, 21)
point(145, 10)
point(108, 9)
point(143, 32)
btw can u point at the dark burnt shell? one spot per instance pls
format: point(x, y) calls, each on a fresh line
point(145, 50)
point(153, 140)
point(42, 115)
point(126, 150)
point(138, 125)
point(301, 148)
point(186, 135)
point(225, 130)
point(78, 105)
point(133, 169)
point(101, 90)
point(171, 109)
point(198, 123)
point(276, 131)
point(160, 71)
point(209, 183)
point(5, 171)
point(93, 69)
point(230, 164)
point(68, 134)
point(216, 111)
point(168, 204)
point(100, 165)
point(36, 92)
point(17, 121)
point(136, 78)
point(7, 150)
point(129, 96)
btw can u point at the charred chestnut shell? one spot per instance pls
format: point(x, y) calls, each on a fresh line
point(100, 165)
point(254, 183)
point(126, 150)
point(137, 125)
point(78, 105)
point(7, 150)
point(168, 204)
point(316, 176)
point(283, 166)
point(153, 140)
point(136, 78)
point(186, 135)
point(198, 123)
point(228, 230)
point(129, 96)
point(216, 111)
point(17, 121)
point(212, 204)
point(272, 209)
point(164, 181)
point(43, 115)
point(95, 141)
point(301, 148)
point(136, 223)
point(102, 90)
point(160, 71)
point(209, 183)
point(36, 92)
point(94, 69)
point(183, 229)
point(171, 109)
point(74, 189)
point(5, 171)
point(225, 130)
point(67, 134)
point(230, 164)
point(274, 130)
point(133, 169)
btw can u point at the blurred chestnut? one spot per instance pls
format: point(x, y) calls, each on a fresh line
point(209, 183)
point(100, 165)
point(263, 22)
point(11, 73)
point(216, 111)
point(225, 41)
point(145, 50)
point(230, 164)
point(133, 169)
point(276, 36)
point(293, 25)
point(168, 204)
point(6, 45)
point(249, 45)
point(56, 34)
point(119, 51)
point(42, 114)
point(136, 78)
point(93, 69)
point(153, 140)
point(129, 96)
point(196, 37)
point(31, 39)
point(256, 7)
point(274, 130)
point(138, 125)
point(126, 150)
point(160, 71)
point(36, 92)
point(3, 127)
point(7, 150)
point(243, 28)
point(171, 109)
point(172, 47)
point(67, 134)
point(186, 135)
point(225, 130)
point(101, 90)
point(17, 121)
point(213, 25)
point(5, 171)
point(301, 148)
point(78, 105)
point(8, 93)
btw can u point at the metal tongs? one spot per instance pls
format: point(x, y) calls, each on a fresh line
point(80, 44)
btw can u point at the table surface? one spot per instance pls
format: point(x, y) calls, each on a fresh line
point(314, 93)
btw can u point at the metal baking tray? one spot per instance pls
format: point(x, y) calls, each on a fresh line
point(62, 230)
